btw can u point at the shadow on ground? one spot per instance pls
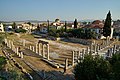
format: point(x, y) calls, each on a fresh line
point(52, 75)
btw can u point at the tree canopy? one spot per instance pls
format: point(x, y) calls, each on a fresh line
point(92, 69)
point(97, 68)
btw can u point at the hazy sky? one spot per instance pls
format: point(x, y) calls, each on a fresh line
point(63, 9)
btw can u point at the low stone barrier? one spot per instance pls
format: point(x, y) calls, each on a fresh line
point(82, 41)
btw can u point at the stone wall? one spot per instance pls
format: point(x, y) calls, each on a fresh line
point(81, 41)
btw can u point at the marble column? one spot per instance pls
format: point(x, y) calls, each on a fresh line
point(39, 48)
point(108, 53)
point(17, 51)
point(21, 54)
point(111, 51)
point(12, 45)
point(43, 51)
point(33, 48)
point(95, 48)
point(30, 47)
point(90, 49)
point(66, 63)
point(9, 44)
point(99, 47)
point(83, 51)
point(114, 48)
point(79, 54)
point(36, 48)
point(48, 51)
point(5, 40)
point(72, 58)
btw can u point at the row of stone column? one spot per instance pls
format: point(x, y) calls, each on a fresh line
point(10, 44)
point(112, 50)
point(39, 48)
point(76, 55)
point(94, 48)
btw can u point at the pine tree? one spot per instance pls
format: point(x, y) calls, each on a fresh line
point(107, 25)
point(75, 23)
point(65, 26)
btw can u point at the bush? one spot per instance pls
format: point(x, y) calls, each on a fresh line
point(115, 63)
point(20, 30)
point(92, 69)
point(3, 62)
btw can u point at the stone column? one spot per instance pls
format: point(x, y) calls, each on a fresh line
point(43, 52)
point(72, 58)
point(14, 49)
point(30, 47)
point(17, 51)
point(78, 54)
point(9, 44)
point(48, 51)
point(111, 51)
point(99, 47)
point(39, 48)
point(83, 53)
point(87, 50)
point(33, 48)
point(95, 48)
point(23, 42)
point(66, 63)
point(21, 54)
point(114, 48)
point(107, 40)
point(12, 45)
point(36, 48)
point(5, 40)
point(90, 49)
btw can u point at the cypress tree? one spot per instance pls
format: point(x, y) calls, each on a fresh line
point(14, 25)
point(107, 25)
point(65, 26)
point(48, 26)
point(75, 23)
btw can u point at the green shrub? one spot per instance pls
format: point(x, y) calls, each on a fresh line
point(20, 30)
point(3, 62)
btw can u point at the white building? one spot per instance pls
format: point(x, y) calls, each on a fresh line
point(1, 28)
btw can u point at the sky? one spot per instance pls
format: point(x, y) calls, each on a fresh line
point(16, 10)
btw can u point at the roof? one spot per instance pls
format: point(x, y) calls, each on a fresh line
point(97, 22)
point(95, 26)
